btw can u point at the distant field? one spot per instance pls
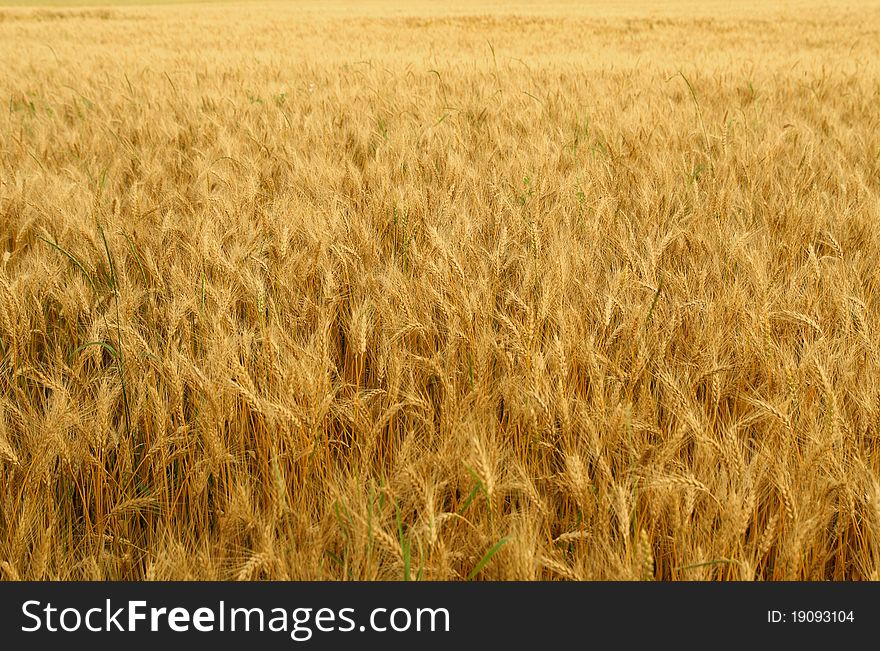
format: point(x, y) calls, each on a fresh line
point(67, 4)
point(440, 291)
point(93, 3)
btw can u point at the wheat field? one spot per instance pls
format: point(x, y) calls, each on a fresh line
point(440, 291)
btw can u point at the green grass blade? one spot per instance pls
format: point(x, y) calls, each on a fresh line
point(470, 498)
point(103, 344)
point(137, 258)
point(79, 265)
point(488, 557)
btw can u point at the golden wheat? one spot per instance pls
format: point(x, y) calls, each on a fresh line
point(497, 290)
